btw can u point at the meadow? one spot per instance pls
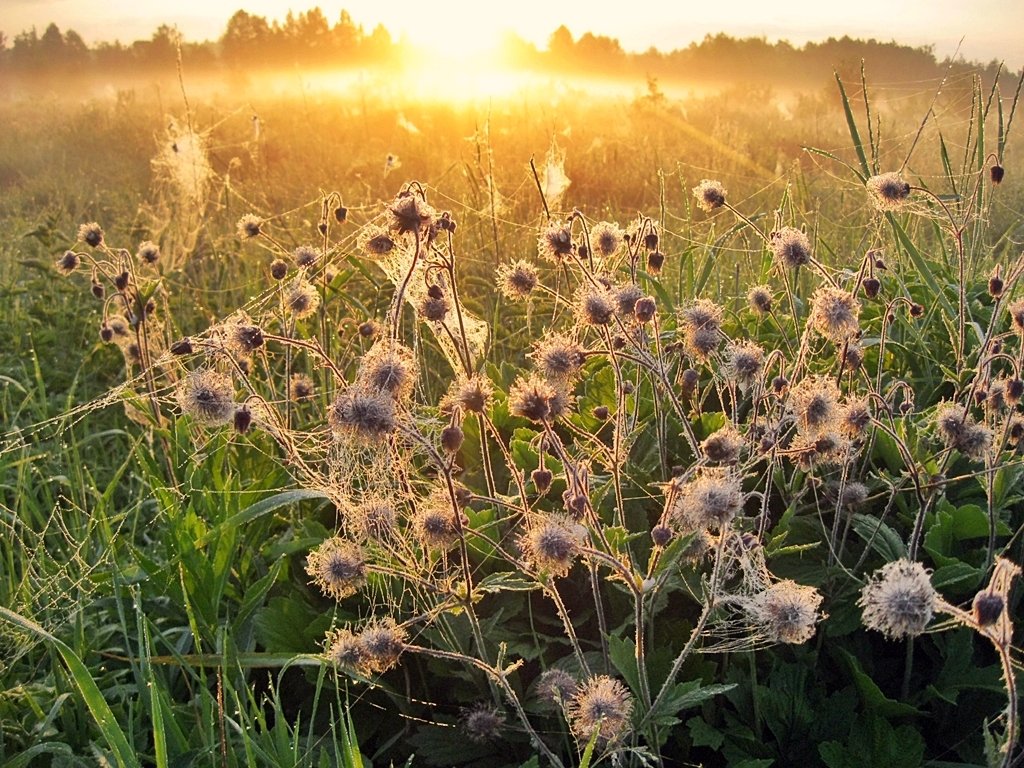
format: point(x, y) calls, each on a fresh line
point(635, 425)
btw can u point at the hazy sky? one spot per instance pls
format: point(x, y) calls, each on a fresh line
point(990, 29)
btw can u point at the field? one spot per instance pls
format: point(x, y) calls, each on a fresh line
point(590, 423)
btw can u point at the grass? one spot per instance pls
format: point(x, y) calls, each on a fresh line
point(157, 607)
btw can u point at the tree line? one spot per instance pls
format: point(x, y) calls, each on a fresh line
point(309, 39)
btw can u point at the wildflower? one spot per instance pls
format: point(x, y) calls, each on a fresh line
point(958, 430)
point(301, 299)
point(305, 256)
point(536, 399)
point(888, 191)
point(482, 724)
point(470, 394)
point(344, 650)
point(605, 239)
point(855, 419)
point(541, 480)
point(709, 194)
point(594, 305)
point(182, 347)
point(68, 263)
point(148, 253)
point(388, 367)
point(600, 706)
point(242, 419)
point(249, 226)
point(787, 611)
point(376, 242)
point(872, 285)
point(626, 298)
point(899, 600)
point(243, 339)
point(987, 608)
point(91, 234)
point(337, 567)
point(744, 361)
point(835, 314)
point(760, 299)
point(300, 387)
point(655, 261)
point(552, 544)
point(815, 402)
point(556, 686)
point(517, 280)
point(435, 305)
point(380, 644)
point(853, 356)
point(702, 328)
point(368, 414)
point(791, 248)
point(207, 396)
point(452, 438)
point(409, 213)
point(558, 358)
point(711, 500)
point(723, 446)
point(555, 242)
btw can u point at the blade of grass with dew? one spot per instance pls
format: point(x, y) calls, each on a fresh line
point(260, 508)
point(98, 707)
point(851, 123)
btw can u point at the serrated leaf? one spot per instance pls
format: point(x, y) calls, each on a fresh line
point(879, 536)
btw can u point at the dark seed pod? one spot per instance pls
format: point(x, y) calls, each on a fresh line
point(242, 420)
point(600, 412)
point(341, 214)
point(996, 285)
point(322, 227)
point(182, 347)
point(645, 308)
point(541, 480)
point(451, 438)
point(997, 172)
point(655, 261)
point(435, 292)
point(121, 281)
point(651, 241)
point(628, 388)
point(872, 286)
point(106, 333)
point(368, 329)
point(278, 269)
point(987, 608)
point(779, 385)
point(917, 310)
point(98, 290)
point(690, 381)
point(661, 535)
point(1014, 390)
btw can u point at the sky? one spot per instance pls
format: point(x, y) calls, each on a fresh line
point(988, 29)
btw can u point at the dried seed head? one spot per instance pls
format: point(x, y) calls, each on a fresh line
point(709, 195)
point(208, 397)
point(375, 518)
point(853, 496)
point(541, 480)
point(710, 500)
point(661, 535)
point(278, 269)
point(856, 418)
point(482, 724)
point(916, 311)
point(243, 339)
point(835, 314)
point(815, 403)
point(434, 523)
point(452, 438)
point(651, 241)
point(872, 286)
point(381, 643)
point(389, 367)
point(434, 309)
point(556, 686)
point(536, 399)
point(182, 347)
point(791, 248)
point(594, 305)
point(376, 242)
point(469, 394)
point(368, 329)
point(605, 239)
point(558, 358)
point(301, 299)
point(552, 543)
point(996, 285)
point(600, 412)
point(517, 280)
point(366, 414)
point(344, 650)
point(888, 191)
point(899, 600)
point(249, 226)
point(601, 706)
point(645, 309)
point(958, 430)
point(701, 324)
point(555, 242)
point(723, 446)
point(744, 361)
point(690, 380)
point(988, 607)
point(787, 611)
point(655, 261)
point(242, 419)
point(760, 299)
point(337, 567)
point(626, 298)
point(91, 234)
point(996, 173)
point(409, 213)
point(1016, 310)
point(305, 256)
point(68, 263)
point(300, 387)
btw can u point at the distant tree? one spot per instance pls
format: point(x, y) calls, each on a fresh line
point(561, 45)
point(246, 38)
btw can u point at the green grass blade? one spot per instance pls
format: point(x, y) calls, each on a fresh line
point(87, 687)
point(858, 144)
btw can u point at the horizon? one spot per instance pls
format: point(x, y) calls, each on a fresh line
point(970, 33)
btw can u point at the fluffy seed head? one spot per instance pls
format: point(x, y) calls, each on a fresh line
point(605, 239)
point(337, 566)
point(710, 500)
point(249, 226)
point(602, 705)
point(434, 522)
point(709, 195)
point(300, 387)
point(470, 394)
point(958, 430)
point(595, 305)
point(375, 517)
point(898, 600)
point(701, 324)
point(208, 397)
point(760, 299)
point(556, 686)
point(376, 242)
point(815, 403)
point(723, 446)
point(888, 191)
point(787, 611)
point(301, 299)
point(517, 280)
point(791, 248)
point(835, 314)
point(1016, 310)
point(743, 362)
point(91, 234)
point(366, 414)
point(626, 298)
point(558, 358)
point(482, 724)
point(389, 367)
point(409, 213)
point(306, 256)
point(551, 544)
point(344, 650)
point(380, 644)
point(536, 399)
point(555, 242)
point(68, 263)
point(243, 339)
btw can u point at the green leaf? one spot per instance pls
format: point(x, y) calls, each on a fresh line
point(505, 581)
point(704, 735)
point(622, 652)
point(259, 509)
point(870, 694)
point(881, 538)
point(957, 573)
